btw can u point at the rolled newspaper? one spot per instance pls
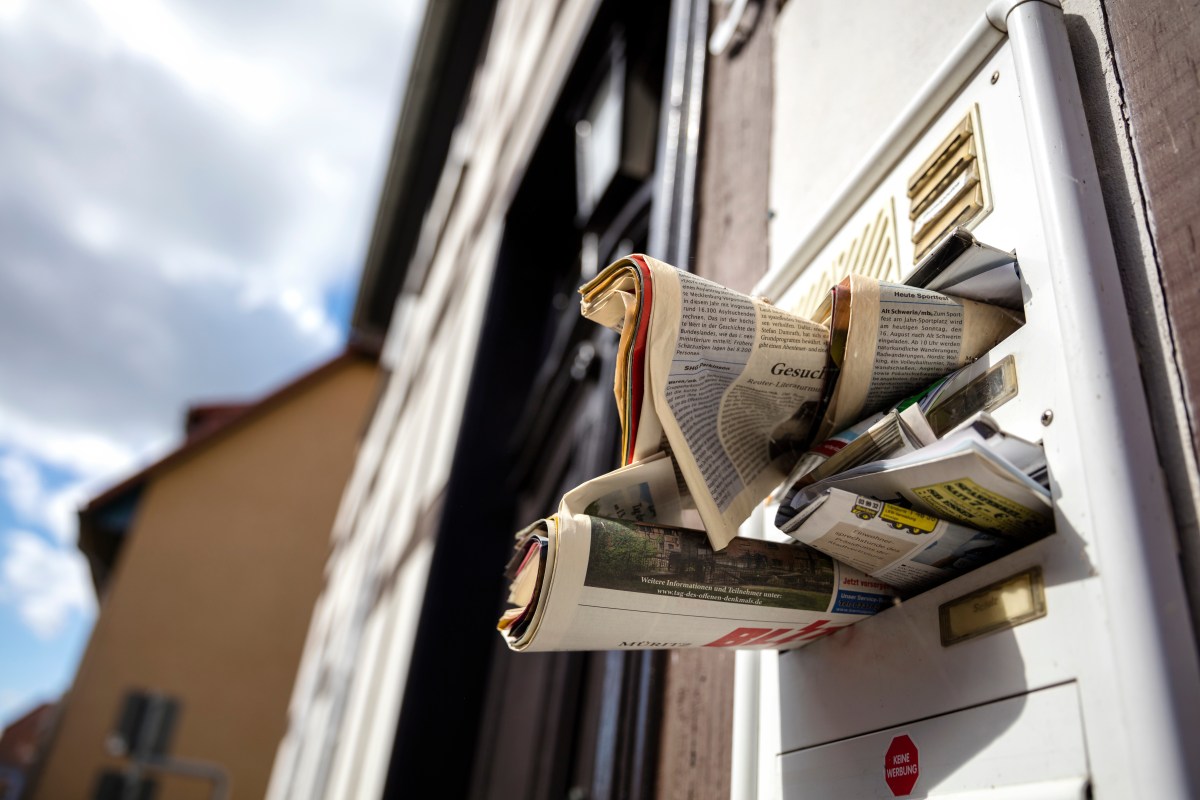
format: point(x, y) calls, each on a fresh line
point(605, 573)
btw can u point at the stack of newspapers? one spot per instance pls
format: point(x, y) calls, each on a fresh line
point(871, 420)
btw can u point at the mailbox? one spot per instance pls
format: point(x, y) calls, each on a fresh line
point(1067, 668)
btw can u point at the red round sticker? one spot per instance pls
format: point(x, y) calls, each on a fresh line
point(900, 766)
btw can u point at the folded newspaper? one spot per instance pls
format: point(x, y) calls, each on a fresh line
point(928, 514)
point(736, 389)
point(915, 422)
point(610, 571)
point(901, 547)
point(977, 476)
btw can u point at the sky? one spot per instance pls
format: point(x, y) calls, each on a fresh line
point(186, 194)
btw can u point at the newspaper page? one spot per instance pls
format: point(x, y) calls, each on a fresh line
point(891, 340)
point(611, 584)
point(907, 549)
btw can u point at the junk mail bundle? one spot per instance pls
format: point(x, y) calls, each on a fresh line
point(720, 397)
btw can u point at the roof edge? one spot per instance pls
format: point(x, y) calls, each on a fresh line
point(439, 79)
point(353, 352)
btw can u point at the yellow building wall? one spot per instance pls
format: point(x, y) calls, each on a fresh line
point(211, 596)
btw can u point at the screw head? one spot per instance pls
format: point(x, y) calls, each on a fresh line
point(995, 76)
point(1047, 416)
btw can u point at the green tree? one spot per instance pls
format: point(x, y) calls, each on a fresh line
point(619, 550)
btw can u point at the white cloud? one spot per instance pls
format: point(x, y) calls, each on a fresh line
point(77, 450)
point(35, 503)
point(11, 10)
point(22, 485)
point(254, 89)
point(185, 183)
point(45, 583)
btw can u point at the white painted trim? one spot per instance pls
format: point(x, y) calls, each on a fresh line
point(1153, 652)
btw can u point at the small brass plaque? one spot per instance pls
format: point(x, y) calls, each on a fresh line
point(1000, 606)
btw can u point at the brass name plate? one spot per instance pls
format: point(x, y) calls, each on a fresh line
point(996, 607)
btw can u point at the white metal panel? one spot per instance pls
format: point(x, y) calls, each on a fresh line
point(1117, 623)
point(756, 704)
point(1031, 746)
point(843, 74)
point(1153, 647)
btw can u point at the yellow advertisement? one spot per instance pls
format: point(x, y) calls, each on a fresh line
point(966, 502)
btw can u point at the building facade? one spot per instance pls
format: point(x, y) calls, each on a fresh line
point(520, 168)
point(207, 565)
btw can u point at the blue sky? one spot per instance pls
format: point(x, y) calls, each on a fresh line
point(188, 190)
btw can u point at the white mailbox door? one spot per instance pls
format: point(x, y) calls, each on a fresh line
point(1102, 693)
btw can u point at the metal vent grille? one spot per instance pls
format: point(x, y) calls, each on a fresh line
point(872, 252)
